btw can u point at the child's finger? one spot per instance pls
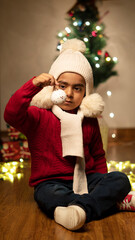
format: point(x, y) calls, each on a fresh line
point(56, 86)
point(56, 83)
point(51, 80)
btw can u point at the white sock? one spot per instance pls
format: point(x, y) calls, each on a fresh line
point(72, 217)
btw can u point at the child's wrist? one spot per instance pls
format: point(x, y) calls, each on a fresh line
point(35, 82)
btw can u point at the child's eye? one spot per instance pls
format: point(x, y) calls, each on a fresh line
point(78, 89)
point(62, 86)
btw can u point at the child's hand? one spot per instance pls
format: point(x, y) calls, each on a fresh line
point(44, 80)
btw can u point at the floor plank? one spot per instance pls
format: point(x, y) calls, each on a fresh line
point(21, 219)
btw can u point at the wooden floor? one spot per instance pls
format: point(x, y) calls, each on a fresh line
point(21, 219)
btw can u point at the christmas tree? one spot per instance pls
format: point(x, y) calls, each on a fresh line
point(86, 24)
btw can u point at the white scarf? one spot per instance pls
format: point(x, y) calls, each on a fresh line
point(72, 145)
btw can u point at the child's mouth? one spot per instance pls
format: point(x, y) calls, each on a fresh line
point(67, 102)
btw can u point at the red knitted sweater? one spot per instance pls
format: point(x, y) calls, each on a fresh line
point(42, 129)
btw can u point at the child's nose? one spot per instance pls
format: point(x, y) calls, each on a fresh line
point(69, 92)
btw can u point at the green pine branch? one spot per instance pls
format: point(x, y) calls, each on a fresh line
point(84, 23)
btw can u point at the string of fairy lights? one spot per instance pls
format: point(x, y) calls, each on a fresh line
point(63, 35)
point(10, 171)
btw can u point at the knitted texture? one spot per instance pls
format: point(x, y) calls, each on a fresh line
point(43, 130)
point(72, 145)
point(71, 132)
point(71, 59)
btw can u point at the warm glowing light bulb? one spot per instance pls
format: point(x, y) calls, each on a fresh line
point(96, 58)
point(111, 115)
point(67, 29)
point(113, 135)
point(108, 59)
point(12, 170)
point(21, 159)
point(87, 23)
point(97, 65)
point(65, 39)
point(60, 34)
point(75, 23)
point(86, 39)
point(120, 166)
point(133, 186)
point(19, 176)
point(4, 170)
point(11, 177)
point(132, 165)
point(100, 35)
point(115, 59)
point(14, 163)
point(109, 93)
point(98, 28)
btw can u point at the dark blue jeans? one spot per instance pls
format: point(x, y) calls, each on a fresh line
point(105, 190)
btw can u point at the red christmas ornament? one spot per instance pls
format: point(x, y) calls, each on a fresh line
point(94, 33)
point(99, 52)
point(106, 54)
point(71, 14)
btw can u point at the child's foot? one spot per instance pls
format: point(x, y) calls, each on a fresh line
point(128, 204)
point(72, 217)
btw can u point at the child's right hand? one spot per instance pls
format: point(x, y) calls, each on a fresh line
point(44, 80)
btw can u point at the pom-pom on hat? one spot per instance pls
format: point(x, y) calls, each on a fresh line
point(71, 59)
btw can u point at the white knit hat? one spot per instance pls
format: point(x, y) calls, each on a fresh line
point(71, 59)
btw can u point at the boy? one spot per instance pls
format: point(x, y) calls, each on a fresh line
point(68, 165)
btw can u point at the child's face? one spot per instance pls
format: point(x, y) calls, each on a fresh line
point(74, 86)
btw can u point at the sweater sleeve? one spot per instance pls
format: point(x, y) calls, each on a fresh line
point(96, 149)
point(18, 112)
